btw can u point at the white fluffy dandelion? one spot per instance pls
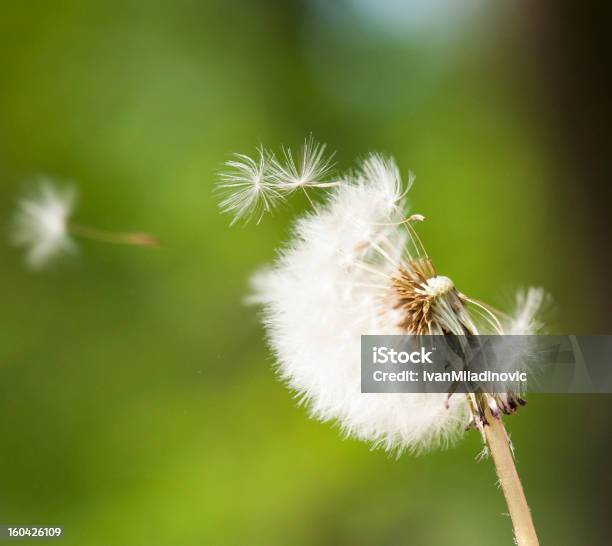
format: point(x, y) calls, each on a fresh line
point(42, 225)
point(355, 266)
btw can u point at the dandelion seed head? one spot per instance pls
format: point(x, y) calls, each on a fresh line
point(355, 266)
point(40, 224)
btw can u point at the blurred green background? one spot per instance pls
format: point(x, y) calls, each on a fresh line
point(137, 399)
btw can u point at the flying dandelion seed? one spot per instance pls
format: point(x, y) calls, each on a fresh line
point(251, 187)
point(248, 189)
point(308, 169)
point(42, 225)
point(356, 266)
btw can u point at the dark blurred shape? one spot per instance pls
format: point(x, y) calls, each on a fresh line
point(569, 53)
point(568, 47)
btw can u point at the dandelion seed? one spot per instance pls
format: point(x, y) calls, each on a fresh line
point(248, 188)
point(42, 225)
point(310, 169)
point(528, 304)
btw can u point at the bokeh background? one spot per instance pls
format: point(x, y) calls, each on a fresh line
point(137, 399)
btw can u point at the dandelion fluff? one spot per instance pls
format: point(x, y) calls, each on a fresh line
point(252, 187)
point(528, 304)
point(247, 187)
point(40, 224)
point(309, 169)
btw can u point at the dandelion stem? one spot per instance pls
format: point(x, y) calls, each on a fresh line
point(136, 239)
point(499, 444)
